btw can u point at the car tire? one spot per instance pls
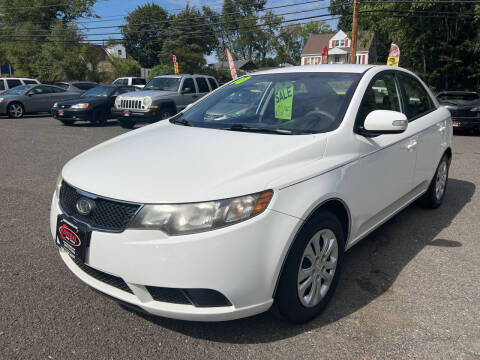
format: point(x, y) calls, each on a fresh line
point(311, 270)
point(15, 110)
point(165, 113)
point(435, 194)
point(67, 122)
point(126, 124)
point(99, 117)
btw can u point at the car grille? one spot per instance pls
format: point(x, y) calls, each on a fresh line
point(134, 104)
point(169, 295)
point(104, 277)
point(106, 215)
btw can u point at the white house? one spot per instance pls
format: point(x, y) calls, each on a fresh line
point(117, 50)
point(338, 46)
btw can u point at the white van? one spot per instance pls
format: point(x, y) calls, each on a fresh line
point(10, 82)
point(135, 81)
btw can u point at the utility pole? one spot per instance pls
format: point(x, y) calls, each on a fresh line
point(353, 48)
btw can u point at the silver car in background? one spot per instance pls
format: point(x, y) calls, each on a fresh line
point(30, 99)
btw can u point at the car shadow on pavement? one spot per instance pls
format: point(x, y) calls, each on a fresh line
point(370, 269)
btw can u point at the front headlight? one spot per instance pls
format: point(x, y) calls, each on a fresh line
point(2, 100)
point(147, 101)
point(55, 105)
point(476, 108)
point(80, 106)
point(118, 101)
point(197, 217)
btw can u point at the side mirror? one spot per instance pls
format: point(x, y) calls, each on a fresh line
point(380, 122)
point(186, 90)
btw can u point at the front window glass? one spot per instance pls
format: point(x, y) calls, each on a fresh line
point(293, 103)
point(459, 98)
point(99, 91)
point(163, 83)
point(19, 90)
point(383, 94)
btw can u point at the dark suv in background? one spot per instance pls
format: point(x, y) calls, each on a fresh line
point(77, 86)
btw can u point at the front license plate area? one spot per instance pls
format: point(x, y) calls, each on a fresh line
point(455, 123)
point(60, 112)
point(126, 113)
point(73, 238)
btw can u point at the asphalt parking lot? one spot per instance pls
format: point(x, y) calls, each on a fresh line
point(409, 290)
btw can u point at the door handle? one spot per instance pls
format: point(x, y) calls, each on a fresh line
point(412, 145)
point(441, 128)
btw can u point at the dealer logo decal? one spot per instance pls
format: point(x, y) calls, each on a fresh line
point(69, 236)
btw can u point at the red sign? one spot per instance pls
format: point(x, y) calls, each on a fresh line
point(233, 71)
point(324, 55)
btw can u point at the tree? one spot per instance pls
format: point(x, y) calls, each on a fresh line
point(145, 33)
point(291, 40)
point(158, 70)
point(26, 26)
point(119, 67)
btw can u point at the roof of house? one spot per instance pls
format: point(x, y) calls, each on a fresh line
point(316, 42)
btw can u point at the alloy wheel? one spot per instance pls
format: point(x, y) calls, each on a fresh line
point(441, 180)
point(317, 268)
point(15, 110)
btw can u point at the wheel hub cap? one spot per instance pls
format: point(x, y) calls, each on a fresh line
point(441, 180)
point(317, 267)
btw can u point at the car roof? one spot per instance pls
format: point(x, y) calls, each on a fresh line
point(328, 68)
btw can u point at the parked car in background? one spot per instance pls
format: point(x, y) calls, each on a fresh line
point(464, 107)
point(29, 99)
point(9, 83)
point(135, 81)
point(162, 98)
point(93, 105)
point(212, 220)
point(78, 86)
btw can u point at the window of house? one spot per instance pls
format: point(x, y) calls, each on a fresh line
point(383, 94)
point(337, 58)
point(337, 42)
point(418, 100)
point(342, 42)
point(119, 52)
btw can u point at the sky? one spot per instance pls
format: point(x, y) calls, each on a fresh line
point(111, 13)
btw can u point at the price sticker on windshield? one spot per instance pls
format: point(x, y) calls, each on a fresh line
point(283, 100)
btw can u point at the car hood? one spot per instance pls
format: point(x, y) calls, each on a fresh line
point(167, 163)
point(79, 100)
point(152, 93)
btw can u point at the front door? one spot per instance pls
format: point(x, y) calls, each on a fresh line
point(39, 99)
point(384, 171)
point(188, 93)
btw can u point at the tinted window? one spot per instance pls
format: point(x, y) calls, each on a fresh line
point(286, 103)
point(30, 82)
point(188, 84)
point(97, 91)
point(123, 91)
point(213, 84)
point(13, 82)
point(56, 89)
point(2, 85)
point(139, 81)
point(458, 98)
point(417, 99)
point(41, 90)
point(62, 85)
point(383, 94)
point(84, 86)
point(202, 85)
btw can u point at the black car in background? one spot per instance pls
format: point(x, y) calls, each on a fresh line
point(464, 107)
point(77, 86)
point(93, 105)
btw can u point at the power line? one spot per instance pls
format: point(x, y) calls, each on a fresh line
point(8, 8)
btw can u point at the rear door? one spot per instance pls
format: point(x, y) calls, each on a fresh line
point(188, 93)
point(427, 123)
point(11, 83)
point(202, 86)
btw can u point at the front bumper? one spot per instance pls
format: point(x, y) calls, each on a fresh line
point(69, 114)
point(241, 261)
point(135, 115)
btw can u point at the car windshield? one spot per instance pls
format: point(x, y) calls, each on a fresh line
point(459, 99)
point(163, 83)
point(99, 91)
point(291, 103)
point(19, 90)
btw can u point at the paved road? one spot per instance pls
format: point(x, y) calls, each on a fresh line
point(410, 290)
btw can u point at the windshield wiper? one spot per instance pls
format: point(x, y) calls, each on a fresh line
point(184, 122)
point(242, 127)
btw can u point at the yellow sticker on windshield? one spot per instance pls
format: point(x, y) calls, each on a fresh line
point(241, 80)
point(283, 100)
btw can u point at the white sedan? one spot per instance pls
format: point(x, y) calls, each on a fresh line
point(220, 214)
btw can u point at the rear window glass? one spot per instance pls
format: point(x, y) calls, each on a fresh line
point(13, 82)
point(62, 85)
point(459, 99)
point(139, 81)
point(30, 82)
point(84, 86)
point(213, 84)
point(202, 85)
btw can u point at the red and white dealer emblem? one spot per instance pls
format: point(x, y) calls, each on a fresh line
point(69, 236)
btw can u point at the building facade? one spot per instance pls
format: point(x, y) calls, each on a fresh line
point(339, 46)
